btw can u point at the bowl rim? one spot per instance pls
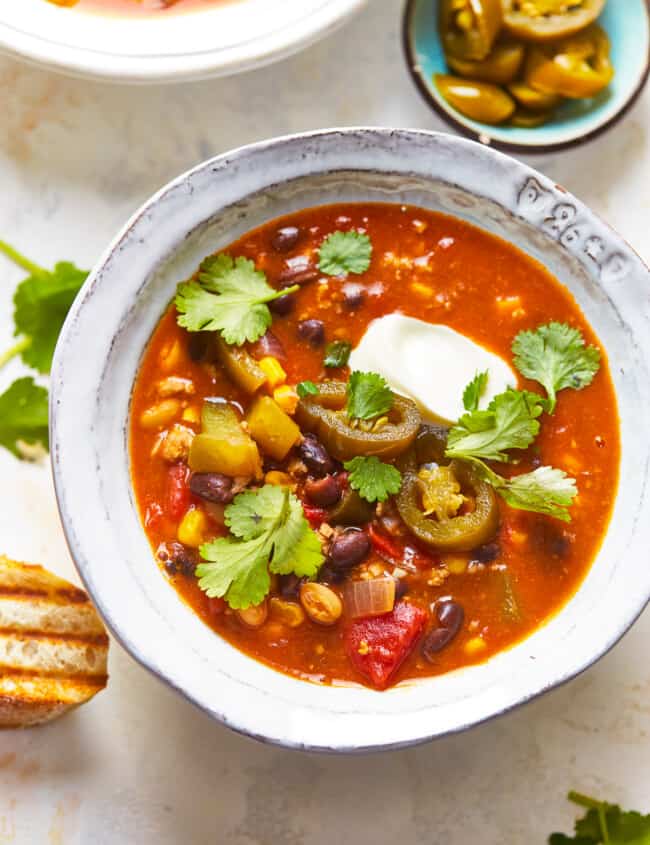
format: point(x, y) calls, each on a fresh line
point(234, 158)
point(105, 66)
point(535, 148)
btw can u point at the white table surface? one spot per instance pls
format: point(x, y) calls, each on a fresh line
point(141, 766)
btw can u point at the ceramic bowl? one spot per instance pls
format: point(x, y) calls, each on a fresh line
point(222, 39)
point(101, 348)
point(628, 26)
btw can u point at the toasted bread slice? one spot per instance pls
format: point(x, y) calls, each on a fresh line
point(53, 646)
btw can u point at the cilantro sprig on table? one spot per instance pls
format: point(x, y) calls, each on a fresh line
point(41, 303)
point(268, 534)
point(345, 252)
point(229, 296)
point(605, 824)
point(556, 356)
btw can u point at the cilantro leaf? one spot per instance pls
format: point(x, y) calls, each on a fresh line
point(509, 422)
point(41, 303)
point(555, 355)
point(306, 388)
point(23, 416)
point(345, 252)
point(374, 480)
point(337, 353)
point(230, 296)
point(545, 490)
point(369, 396)
point(605, 824)
point(269, 533)
point(474, 390)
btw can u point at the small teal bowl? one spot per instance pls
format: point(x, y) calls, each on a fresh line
point(627, 22)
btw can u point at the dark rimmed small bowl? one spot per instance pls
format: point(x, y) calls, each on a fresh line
point(575, 122)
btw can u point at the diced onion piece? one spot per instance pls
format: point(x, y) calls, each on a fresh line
point(370, 598)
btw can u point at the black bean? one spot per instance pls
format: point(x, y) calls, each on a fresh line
point(353, 295)
point(283, 305)
point(326, 575)
point(348, 550)
point(199, 345)
point(553, 541)
point(298, 271)
point(315, 456)
point(212, 486)
point(290, 586)
point(487, 552)
point(323, 492)
point(177, 558)
point(285, 238)
point(435, 641)
point(450, 616)
point(269, 345)
point(313, 331)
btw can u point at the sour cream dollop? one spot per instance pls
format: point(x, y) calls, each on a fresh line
point(429, 363)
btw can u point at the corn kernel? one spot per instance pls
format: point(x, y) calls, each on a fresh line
point(191, 415)
point(419, 226)
point(475, 646)
point(280, 479)
point(319, 649)
point(456, 564)
point(192, 528)
point(421, 290)
point(287, 398)
point(517, 538)
point(364, 648)
point(273, 371)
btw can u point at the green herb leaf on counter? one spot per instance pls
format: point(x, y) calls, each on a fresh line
point(605, 824)
point(474, 390)
point(369, 396)
point(373, 480)
point(41, 304)
point(546, 490)
point(555, 355)
point(337, 353)
point(23, 417)
point(306, 388)
point(509, 422)
point(230, 297)
point(345, 252)
point(269, 533)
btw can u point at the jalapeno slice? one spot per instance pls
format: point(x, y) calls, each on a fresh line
point(456, 533)
point(324, 415)
point(479, 101)
point(469, 27)
point(575, 67)
point(546, 20)
point(500, 67)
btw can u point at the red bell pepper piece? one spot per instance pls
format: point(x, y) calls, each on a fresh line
point(399, 553)
point(179, 495)
point(315, 516)
point(378, 645)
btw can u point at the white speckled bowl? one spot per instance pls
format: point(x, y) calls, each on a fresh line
point(222, 39)
point(101, 347)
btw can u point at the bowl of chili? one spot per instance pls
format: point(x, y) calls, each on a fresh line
point(205, 490)
point(524, 81)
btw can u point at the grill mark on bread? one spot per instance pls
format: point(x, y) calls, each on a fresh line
point(53, 646)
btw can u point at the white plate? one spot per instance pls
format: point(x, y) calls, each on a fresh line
point(222, 40)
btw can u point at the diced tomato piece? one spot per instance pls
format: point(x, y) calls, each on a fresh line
point(398, 552)
point(377, 646)
point(178, 491)
point(315, 516)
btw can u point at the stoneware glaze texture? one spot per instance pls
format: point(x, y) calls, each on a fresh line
point(101, 348)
